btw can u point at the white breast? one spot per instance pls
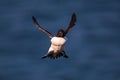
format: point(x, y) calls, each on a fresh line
point(57, 44)
point(58, 41)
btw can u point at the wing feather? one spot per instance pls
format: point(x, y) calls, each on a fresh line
point(40, 28)
point(71, 24)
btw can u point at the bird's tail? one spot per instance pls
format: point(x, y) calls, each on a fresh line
point(53, 55)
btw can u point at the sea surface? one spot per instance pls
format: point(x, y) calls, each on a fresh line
point(93, 44)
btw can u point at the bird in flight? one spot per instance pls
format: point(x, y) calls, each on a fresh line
point(57, 41)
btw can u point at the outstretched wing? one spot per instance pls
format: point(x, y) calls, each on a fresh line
point(40, 28)
point(72, 23)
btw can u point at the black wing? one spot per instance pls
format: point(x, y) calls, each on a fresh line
point(72, 23)
point(40, 28)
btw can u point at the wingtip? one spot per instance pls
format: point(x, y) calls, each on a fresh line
point(33, 18)
point(74, 14)
point(74, 17)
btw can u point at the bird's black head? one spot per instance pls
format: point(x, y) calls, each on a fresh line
point(60, 33)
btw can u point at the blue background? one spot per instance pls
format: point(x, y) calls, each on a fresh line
point(93, 44)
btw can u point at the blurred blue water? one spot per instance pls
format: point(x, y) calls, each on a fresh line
point(93, 44)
